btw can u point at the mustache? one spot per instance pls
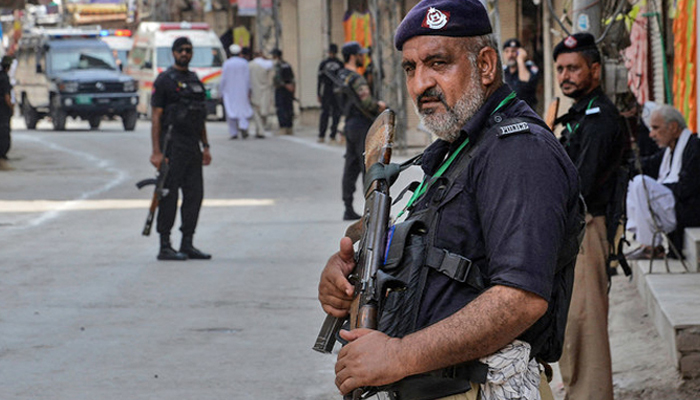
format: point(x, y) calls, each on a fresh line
point(565, 82)
point(432, 93)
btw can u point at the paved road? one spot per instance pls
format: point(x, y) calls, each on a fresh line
point(89, 313)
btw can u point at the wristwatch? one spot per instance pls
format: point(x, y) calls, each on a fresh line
point(205, 145)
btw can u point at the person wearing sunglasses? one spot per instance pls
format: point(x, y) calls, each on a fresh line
point(179, 138)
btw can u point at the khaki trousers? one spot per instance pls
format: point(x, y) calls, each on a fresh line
point(473, 394)
point(585, 364)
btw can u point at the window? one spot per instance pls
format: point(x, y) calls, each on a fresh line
point(203, 57)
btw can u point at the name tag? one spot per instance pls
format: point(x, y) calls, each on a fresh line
point(594, 110)
point(521, 127)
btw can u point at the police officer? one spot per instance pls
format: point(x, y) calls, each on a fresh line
point(326, 94)
point(6, 111)
point(520, 73)
point(594, 140)
point(361, 109)
point(178, 118)
point(284, 93)
point(496, 221)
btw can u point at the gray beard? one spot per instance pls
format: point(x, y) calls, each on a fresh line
point(447, 125)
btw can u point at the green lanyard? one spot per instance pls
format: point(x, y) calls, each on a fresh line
point(446, 164)
point(568, 126)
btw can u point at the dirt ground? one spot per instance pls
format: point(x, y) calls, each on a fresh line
point(642, 366)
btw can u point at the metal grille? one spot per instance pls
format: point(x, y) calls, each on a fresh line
point(106, 87)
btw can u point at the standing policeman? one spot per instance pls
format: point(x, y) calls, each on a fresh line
point(326, 94)
point(520, 73)
point(360, 110)
point(595, 142)
point(487, 251)
point(179, 113)
point(6, 110)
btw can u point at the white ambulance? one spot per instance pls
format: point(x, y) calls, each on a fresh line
point(152, 54)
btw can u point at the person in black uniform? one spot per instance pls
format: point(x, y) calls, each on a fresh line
point(326, 94)
point(6, 111)
point(178, 118)
point(594, 139)
point(497, 222)
point(520, 73)
point(361, 109)
point(284, 93)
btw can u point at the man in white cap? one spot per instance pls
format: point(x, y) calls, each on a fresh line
point(235, 88)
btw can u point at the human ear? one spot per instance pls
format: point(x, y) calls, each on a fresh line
point(487, 62)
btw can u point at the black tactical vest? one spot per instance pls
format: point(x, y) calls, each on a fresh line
point(187, 116)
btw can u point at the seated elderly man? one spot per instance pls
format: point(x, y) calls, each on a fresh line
point(671, 184)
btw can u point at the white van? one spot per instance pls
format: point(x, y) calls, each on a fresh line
point(152, 54)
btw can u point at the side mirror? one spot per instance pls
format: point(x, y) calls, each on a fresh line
point(147, 65)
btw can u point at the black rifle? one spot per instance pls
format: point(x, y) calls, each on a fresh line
point(159, 181)
point(372, 248)
point(349, 93)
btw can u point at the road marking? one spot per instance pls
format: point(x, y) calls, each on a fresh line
point(29, 206)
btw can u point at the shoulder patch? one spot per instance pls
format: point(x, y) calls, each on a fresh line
point(594, 110)
point(507, 130)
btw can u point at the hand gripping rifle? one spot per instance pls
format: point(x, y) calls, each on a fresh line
point(159, 181)
point(372, 248)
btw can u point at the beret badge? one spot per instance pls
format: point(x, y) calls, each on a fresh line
point(570, 42)
point(435, 19)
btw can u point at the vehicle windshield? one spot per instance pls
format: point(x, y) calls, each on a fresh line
point(85, 58)
point(202, 57)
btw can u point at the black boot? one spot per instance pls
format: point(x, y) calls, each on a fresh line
point(350, 214)
point(167, 252)
point(193, 253)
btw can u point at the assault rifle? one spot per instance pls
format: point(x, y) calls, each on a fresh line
point(373, 225)
point(349, 94)
point(159, 181)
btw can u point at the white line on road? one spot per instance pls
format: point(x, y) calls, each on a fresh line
point(105, 165)
point(23, 206)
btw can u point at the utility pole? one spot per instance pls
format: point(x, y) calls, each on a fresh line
point(276, 21)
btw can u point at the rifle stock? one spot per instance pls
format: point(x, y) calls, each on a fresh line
point(159, 192)
point(551, 114)
point(370, 256)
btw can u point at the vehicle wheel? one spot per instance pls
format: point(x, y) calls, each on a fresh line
point(129, 120)
point(59, 119)
point(95, 121)
point(30, 115)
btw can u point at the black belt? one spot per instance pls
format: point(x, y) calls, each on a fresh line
point(441, 383)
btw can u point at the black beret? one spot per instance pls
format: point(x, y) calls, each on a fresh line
point(180, 41)
point(353, 47)
point(456, 18)
point(512, 43)
point(575, 43)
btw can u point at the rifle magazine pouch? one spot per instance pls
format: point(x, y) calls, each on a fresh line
point(403, 279)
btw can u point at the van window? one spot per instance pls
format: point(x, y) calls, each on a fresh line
point(202, 57)
point(85, 58)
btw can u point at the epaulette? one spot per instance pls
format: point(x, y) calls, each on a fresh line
point(512, 129)
point(592, 111)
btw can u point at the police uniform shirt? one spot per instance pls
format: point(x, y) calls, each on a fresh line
point(593, 139)
point(506, 212)
point(325, 85)
point(525, 90)
point(5, 88)
point(167, 92)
